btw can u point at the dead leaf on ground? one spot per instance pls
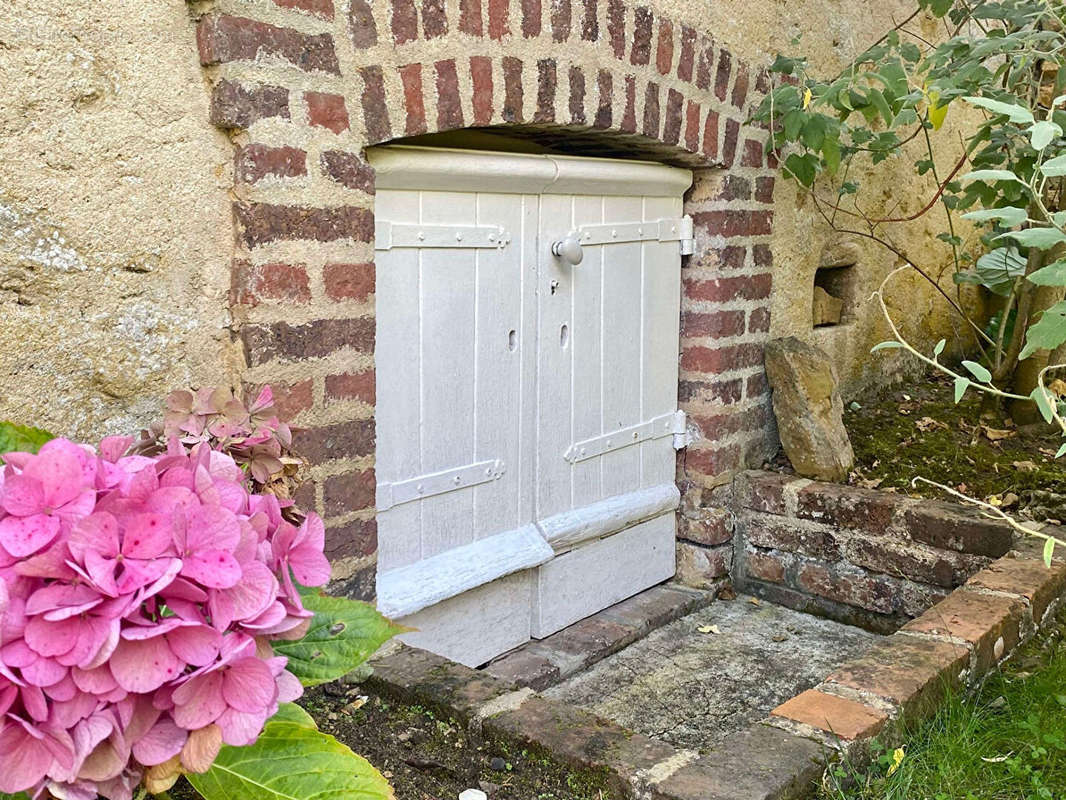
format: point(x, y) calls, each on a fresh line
point(930, 424)
point(709, 629)
point(1057, 386)
point(754, 601)
point(1025, 466)
point(996, 434)
point(871, 483)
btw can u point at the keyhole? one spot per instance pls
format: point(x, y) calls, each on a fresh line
point(564, 337)
point(512, 341)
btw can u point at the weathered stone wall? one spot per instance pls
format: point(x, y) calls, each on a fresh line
point(115, 233)
point(865, 557)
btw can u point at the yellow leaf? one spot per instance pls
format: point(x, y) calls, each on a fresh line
point(937, 113)
point(897, 758)
point(806, 99)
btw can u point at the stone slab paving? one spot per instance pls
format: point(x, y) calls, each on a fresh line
point(716, 671)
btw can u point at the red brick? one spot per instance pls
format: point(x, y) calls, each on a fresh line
point(326, 110)
point(590, 23)
point(846, 719)
point(719, 426)
point(722, 359)
point(349, 170)
point(470, 17)
point(361, 25)
point(375, 114)
point(740, 86)
point(414, 104)
point(651, 111)
point(320, 8)
point(234, 106)
point(763, 491)
point(729, 144)
point(953, 527)
point(292, 398)
point(704, 64)
point(756, 386)
point(664, 53)
point(348, 281)
point(759, 320)
point(982, 620)
point(732, 257)
point(351, 540)
point(738, 287)
point(721, 77)
point(848, 506)
point(640, 55)
point(222, 38)
point(692, 127)
point(349, 492)
point(781, 533)
point(352, 386)
point(304, 496)
point(512, 89)
point(449, 106)
point(499, 19)
point(753, 153)
point(561, 20)
point(577, 96)
point(764, 567)
point(715, 324)
point(906, 560)
point(1029, 578)
point(344, 440)
point(686, 60)
point(616, 27)
point(258, 161)
point(434, 19)
point(710, 135)
point(707, 526)
point(712, 461)
point(481, 79)
point(252, 283)
point(726, 392)
point(265, 342)
point(735, 223)
point(701, 567)
point(260, 223)
point(850, 586)
point(672, 127)
point(604, 107)
point(764, 190)
point(629, 115)
point(734, 187)
point(762, 256)
point(531, 16)
point(546, 85)
point(404, 21)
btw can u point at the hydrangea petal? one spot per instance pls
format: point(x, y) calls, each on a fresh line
point(23, 496)
point(161, 743)
point(197, 645)
point(248, 685)
point(26, 759)
point(215, 569)
point(23, 536)
point(144, 666)
point(199, 701)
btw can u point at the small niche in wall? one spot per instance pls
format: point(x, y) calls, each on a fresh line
point(834, 295)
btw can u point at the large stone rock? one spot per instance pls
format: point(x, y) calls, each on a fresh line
point(809, 410)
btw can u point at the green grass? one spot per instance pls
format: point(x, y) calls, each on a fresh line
point(1005, 742)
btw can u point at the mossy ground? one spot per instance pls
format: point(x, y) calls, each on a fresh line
point(1005, 742)
point(915, 429)
point(429, 757)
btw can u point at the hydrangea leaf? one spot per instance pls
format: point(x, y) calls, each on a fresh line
point(291, 762)
point(290, 712)
point(343, 634)
point(23, 439)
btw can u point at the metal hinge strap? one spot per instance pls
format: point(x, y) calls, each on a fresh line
point(662, 230)
point(672, 424)
point(389, 235)
point(449, 480)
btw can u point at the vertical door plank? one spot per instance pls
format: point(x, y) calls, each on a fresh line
point(397, 359)
point(448, 306)
point(525, 467)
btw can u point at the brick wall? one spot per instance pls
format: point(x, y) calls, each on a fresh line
point(866, 557)
point(304, 86)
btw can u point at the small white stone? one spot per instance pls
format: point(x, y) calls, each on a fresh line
point(473, 794)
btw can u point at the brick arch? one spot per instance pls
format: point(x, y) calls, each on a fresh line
point(304, 86)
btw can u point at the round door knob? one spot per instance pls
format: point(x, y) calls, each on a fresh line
point(569, 250)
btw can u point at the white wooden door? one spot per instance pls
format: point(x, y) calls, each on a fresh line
point(527, 407)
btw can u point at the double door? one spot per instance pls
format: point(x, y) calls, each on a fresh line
point(526, 359)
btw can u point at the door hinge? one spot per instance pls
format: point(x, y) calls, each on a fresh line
point(449, 480)
point(661, 230)
point(672, 424)
point(389, 235)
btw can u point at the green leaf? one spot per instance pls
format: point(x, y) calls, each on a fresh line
point(1049, 552)
point(1047, 333)
point(22, 438)
point(1061, 451)
point(290, 712)
point(831, 154)
point(19, 796)
point(939, 347)
point(291, 762)
point(1017, 113)
point(978, 371)
point(1043, 404)
point(991, 175)
point(343, 634)
point(802, 167)
point(998, 269)
point(1010, 216)
point(881, 104)
point(1040, 238)
point(1054, 167)
point(961, 385)
point(1051, 275)
point(1043, 133)
point(885, 346)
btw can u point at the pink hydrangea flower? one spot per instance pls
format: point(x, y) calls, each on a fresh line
point(137, 597)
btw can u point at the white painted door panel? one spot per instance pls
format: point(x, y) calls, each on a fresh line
point(494, 360)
